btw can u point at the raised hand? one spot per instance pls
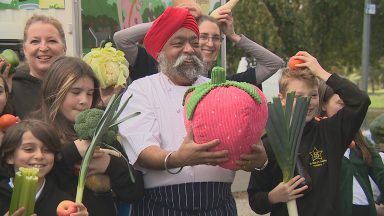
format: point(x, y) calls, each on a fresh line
point(225, 20)
point(312, 64)
point(192, 7)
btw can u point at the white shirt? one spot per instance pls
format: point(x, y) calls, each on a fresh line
point(161, 123)
point(375, 189)
point(38, 192)
point(359, 197)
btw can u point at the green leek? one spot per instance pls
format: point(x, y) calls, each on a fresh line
point(24, 190)
point(108, 119)
point(284, 128)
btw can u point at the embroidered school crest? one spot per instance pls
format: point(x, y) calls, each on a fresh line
point(317, 159)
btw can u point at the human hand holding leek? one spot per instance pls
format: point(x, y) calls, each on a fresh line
point(286, 191)
point(99, 165)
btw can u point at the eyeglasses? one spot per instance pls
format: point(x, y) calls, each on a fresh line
point(206, 38)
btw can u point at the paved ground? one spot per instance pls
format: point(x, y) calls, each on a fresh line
point(239, 188)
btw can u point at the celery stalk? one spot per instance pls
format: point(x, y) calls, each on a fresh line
point(17, 182)
point(25, 193)
point(32, 196)
point(24, 190)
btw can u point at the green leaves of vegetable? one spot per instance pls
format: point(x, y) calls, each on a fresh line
point(285, 128)
point(108, 119)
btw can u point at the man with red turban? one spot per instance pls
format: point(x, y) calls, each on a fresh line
point(180, 176)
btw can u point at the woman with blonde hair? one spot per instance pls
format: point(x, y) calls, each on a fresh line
point(44, 41)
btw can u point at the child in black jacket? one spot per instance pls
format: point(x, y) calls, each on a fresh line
point(32, 143)
point(321, 149)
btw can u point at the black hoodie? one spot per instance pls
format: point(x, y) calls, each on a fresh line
point(46, 203)
point(321, 150)
point(25, 93)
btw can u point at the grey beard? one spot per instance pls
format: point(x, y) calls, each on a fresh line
point(189, 72)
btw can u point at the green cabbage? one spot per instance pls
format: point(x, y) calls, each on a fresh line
point(109, 66)
point(11, 58)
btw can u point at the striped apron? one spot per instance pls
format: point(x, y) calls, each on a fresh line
point(198, 198)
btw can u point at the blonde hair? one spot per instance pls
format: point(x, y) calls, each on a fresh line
point(47, 20)
point(304, 75)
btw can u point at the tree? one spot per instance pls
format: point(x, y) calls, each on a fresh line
point(330, 30)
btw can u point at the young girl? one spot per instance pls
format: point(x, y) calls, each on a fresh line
point(69, 88)
point(33, 143)
point(360, 162)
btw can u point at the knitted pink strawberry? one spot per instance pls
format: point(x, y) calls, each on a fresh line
point(233, 112)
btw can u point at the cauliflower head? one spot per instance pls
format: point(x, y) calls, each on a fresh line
point(109, 66)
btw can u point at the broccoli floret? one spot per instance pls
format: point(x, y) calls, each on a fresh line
point(86, 122)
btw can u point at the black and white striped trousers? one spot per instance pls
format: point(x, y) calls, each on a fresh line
point(197, 199)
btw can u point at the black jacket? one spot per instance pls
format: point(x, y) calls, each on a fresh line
point(122, 188)
point(25, 93)
point(321, 150)
point(46, 203)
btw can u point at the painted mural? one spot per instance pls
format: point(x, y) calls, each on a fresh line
point(31, 4)
point(101, 18)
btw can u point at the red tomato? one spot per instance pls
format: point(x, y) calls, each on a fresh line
point(293, 62)
point(7, 120)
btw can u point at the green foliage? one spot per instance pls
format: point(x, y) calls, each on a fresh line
point(99, 8)
point(284, 128)
point(377, 99)
point(377, 129)
point(330, 30)
point(253, 19)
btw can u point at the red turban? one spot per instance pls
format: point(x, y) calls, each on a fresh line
point(169, 22)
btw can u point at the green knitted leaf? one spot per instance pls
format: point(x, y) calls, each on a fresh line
point(199, 92)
